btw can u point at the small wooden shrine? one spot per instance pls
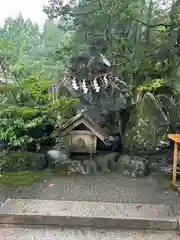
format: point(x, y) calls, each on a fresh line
point(81, 134)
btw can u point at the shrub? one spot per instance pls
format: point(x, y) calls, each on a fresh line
point(32, 117)
point(20, 161)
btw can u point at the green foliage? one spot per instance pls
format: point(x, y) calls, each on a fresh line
point(17, 179)
point(64, 107)
point(18, 123)
point(25, 49)
point(150, 87)
point(20, 161)
point(139, 38)
point(26, 121)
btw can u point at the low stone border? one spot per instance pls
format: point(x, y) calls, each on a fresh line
point(88, 214)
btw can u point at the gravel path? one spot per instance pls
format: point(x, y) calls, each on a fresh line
point(107, 187)
point(4, 192)
point(82, 234)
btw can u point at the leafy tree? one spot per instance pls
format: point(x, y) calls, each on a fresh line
point(140, 38)
point(28, 116)
point(30, 64)
point(25, 49)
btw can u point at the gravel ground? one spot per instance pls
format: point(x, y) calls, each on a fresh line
point(82, 234)
point(4, 192)
point(107, 187)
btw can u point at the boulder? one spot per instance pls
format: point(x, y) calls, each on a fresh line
point(62, 164)
point(170, 109)
point(55, 158)
point(104, 107)
point(113, 144)
point(90, 167)
point(106, 162)
point(133, 166)
point(76, 167)
point(110, 99)
point(105, 117)
point(70, 168)
point(147, 128)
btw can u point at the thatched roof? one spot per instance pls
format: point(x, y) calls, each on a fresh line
point(83, 118)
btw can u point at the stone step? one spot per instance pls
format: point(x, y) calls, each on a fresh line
point(87, 214)
point(31, 233)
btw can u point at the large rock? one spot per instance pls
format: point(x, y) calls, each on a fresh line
point(147, 128)
point(113, 98)
point(60, 162)
point(103, 106)
point(90, 167)
point(71, 168)
point(169, 107)
point(106, 162)
point(133, 166)
point(56, 158)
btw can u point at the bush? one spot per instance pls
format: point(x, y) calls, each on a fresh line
point(20, 161)
point(29, 120)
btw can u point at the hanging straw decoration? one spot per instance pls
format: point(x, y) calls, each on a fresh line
point(74, 84)
point(96, 86)
point(84, 86)
point(105, 80)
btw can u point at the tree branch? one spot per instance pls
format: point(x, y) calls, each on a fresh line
point(123, 56)
point(100, 4)
point(84, 13)
point(153, 25)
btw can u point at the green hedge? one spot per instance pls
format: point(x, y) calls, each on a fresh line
point(20, 161)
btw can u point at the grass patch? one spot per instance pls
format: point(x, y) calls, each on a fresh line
point(16, 179)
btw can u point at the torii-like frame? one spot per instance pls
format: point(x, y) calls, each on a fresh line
point(176, 139)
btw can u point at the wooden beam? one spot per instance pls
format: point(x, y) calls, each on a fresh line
point(175, 162)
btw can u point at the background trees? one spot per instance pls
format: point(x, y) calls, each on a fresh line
point(140, 38)
point(29, 66)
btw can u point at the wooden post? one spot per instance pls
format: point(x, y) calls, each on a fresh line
point(91, 148)
point(90, 152)
point(175, 162)
point(176, 139)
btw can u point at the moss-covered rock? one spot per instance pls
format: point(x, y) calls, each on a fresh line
point(147, 128)
point(133, 166)
point(170, 108)
point(70, 167)
point(18, 161)
point(106, 162)
point(90, 167)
